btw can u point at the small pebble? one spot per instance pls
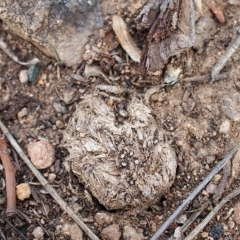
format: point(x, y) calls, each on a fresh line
point(181, 219)
point(23, 76)
point(33, 73)
point(60, 124)
point(211, 188)
point(217, 178)
point(204, 234)
point(237, 213)
point(38, 233)
point(69, 95)
point(124, 164)
point(111, 232)
point(51, 177)
point(22, 113)
point(42, 154)
point(60, 106)
point(23, 191)
point(225, 127)
point(123, 113)
point(177, 233)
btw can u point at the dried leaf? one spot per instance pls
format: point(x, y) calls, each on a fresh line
point(125, 39)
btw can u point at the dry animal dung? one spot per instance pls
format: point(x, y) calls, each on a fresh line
point(125, 164)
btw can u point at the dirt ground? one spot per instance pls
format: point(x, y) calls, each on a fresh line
point(200, 121)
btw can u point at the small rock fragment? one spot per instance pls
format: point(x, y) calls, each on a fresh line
point(69, 95)
point(237, 213)
point(217, 178)
point(178, 233)
point(23, 191)
point(204, 234)
point(225, 127)
point(59, 124)
point(181, 219)
point(129, 233)
point(22, 113)
point(75, 232)
point(51, 177)
point(111, 232)
point(211, 188)
point(33, 73)
point(38, 233)
point(217, 231)
point(42, 154)
point(103, 218)
point(23, 76)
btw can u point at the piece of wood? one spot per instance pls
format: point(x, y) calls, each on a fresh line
point(10, 171)
point(171, 32)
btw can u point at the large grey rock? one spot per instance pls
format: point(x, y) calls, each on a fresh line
point(61, 24)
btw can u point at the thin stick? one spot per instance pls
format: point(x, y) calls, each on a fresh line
point(226, 56)
point(15, 229)
point(10, 171)
point(2, 235)
point(219, 166)
point(205, 78)
point(212, 214)
point(46, 185)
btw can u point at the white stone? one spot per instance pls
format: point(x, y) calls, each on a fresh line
point(225, 127)
point(22, 113)
point(23, 76)
point(38, 233)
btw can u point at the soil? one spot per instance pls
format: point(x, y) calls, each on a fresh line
point(200, 121)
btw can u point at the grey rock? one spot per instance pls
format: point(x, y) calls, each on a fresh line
point(54, 26)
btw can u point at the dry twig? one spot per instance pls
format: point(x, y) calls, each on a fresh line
point(46, 185)
point(212, 214)
point(206, 78)
point(225, 57)
point(219, 166)
point(10, 170)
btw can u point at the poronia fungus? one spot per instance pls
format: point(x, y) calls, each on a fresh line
point(127, 164)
